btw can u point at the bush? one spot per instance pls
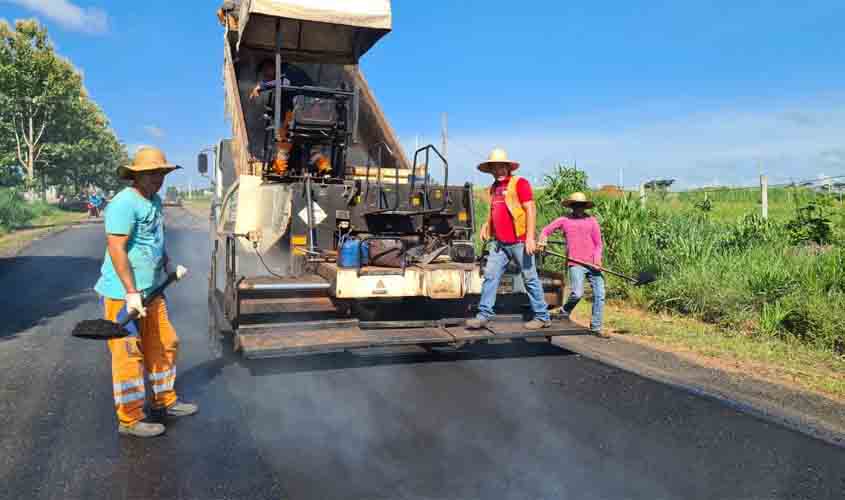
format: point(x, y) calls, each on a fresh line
point(751, 230)
point(15, 212)
point(559, 185)
point(810, 225)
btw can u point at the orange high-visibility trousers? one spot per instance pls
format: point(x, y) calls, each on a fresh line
point(153, 351)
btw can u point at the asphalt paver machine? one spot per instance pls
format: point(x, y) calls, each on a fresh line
point(325, 237)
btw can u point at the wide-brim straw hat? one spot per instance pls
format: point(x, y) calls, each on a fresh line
point(498, 155)
point(147, 159)
point(578, 199)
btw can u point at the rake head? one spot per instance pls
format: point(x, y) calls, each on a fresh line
point(99, 329)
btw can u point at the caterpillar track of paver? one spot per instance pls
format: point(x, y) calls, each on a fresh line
point(325, 237)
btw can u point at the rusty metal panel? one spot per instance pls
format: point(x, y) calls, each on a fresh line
point(445, 283)
point(515, 329)
point(463, 334)
point(288, 305)
point(286, 342)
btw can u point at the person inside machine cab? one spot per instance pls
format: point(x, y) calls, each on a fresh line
point(296, 76)
point(510, 236)
point(291, 75)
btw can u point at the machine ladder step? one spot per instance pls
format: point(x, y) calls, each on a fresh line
point(270, 341)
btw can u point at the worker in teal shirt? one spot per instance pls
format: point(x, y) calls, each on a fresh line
point(135, 263)
point(142, 221)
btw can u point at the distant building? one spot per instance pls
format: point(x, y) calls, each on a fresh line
point(612, 191)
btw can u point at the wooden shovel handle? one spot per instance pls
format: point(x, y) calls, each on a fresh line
point(594, 266)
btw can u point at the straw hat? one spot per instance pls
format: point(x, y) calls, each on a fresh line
point(578, 199)
point(498, 155)
point(147, 159)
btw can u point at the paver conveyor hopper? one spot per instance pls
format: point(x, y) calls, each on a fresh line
point(324, 236)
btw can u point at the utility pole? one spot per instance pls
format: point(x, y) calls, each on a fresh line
point(445, 135)
point(764, 195)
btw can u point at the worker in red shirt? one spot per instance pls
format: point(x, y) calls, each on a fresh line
point(510, 236)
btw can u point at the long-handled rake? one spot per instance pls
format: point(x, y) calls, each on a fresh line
point(643, 278)
point(103, 329)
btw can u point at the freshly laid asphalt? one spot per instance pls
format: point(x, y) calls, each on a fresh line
point(509, 421)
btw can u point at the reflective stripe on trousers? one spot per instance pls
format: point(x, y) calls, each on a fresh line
point(153, 352)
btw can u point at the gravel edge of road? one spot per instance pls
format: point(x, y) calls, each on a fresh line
point(51, 231)
point(807, 413)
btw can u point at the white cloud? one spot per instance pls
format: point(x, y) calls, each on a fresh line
point(154, 131)
point(784, 140)
point(71, 16)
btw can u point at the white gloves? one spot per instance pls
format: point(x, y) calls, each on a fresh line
point(133, 303)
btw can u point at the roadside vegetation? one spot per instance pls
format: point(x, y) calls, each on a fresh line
point(22, 222)
point(780, 279)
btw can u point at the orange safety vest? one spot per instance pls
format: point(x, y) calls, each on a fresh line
point(518, 214)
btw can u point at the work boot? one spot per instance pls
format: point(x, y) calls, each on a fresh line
point(476, 323)
point(600, 334)
point(141, 429)
point(536, 324)
point(181, 409)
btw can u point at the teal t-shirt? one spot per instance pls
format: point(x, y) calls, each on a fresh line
point(142, 220)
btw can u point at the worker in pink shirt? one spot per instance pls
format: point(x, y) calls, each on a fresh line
point(583, 243)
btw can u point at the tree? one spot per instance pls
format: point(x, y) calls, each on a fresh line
point(40, 93)
point(49, 128)
point(89, 157)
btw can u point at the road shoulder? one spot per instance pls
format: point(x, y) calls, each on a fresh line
point(803, 411)
point(11, 244)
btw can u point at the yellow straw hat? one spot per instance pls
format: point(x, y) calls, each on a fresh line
point(498, 155)
point(147, 159)
point(578, 199)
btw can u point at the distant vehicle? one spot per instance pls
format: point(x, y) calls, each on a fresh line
point(172, 199)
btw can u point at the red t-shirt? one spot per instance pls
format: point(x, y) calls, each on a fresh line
point(503, 229)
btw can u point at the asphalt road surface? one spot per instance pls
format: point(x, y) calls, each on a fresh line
point(518, 421)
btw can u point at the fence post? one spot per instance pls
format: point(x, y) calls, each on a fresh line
point(642, 195)
point(764, 195)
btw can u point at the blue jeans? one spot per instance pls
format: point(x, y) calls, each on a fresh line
point(497, 262)
point(576, 285)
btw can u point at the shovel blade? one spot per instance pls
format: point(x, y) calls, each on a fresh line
point(645, 279)
point(99, 329)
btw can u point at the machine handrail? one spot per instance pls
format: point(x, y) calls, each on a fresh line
point(427, 150)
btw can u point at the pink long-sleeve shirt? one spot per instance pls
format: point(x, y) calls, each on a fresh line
point(583, 238)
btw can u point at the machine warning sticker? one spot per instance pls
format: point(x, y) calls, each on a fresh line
point(319, 214)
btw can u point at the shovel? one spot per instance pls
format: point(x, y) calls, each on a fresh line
point(642, 278)
point(103, 329)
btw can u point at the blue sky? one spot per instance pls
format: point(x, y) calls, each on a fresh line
point(702, 92)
